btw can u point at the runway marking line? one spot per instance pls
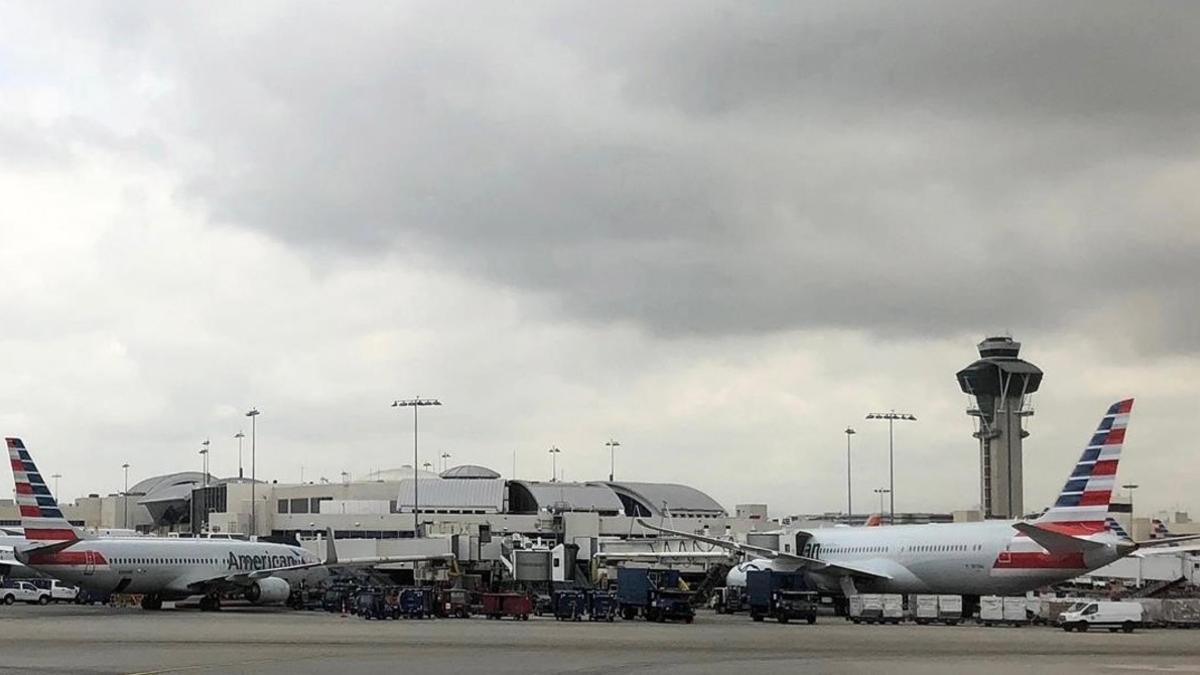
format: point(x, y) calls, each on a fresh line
point(204, 666)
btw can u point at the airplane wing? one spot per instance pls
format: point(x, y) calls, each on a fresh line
point(1166, 550)
point(665, 555)
point(1163, 543)
point(804, 562)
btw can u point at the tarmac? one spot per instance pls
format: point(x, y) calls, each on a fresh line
point(61, 639)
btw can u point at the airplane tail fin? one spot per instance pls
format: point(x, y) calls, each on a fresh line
point(1116, 528)
point(40, 515)
point(1158, 530)
point(1082, 506)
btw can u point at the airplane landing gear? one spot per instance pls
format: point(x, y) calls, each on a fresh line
point(151, 602)
point(210, 603)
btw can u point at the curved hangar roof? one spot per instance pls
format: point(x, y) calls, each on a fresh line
point(669, 499)
point(525, 496)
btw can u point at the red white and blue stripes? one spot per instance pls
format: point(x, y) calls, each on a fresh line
point(40, 515)
point(1084, 500)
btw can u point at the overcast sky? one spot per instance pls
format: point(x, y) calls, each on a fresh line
point(716, 232)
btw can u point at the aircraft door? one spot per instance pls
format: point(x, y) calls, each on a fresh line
point(89, 563)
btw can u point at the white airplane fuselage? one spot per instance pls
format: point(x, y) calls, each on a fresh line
point(955, 558)
point(165, 567)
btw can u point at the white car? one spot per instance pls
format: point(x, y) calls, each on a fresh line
point(1111, 615)
point(23, 591)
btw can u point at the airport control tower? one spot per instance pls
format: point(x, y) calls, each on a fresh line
point(1001, 384)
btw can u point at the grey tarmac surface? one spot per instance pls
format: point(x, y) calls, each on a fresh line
point(62, 639)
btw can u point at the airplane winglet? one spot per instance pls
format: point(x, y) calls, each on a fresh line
point(1056, 542)
point(331, 556)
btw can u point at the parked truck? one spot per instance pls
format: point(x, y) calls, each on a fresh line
point(1114, 616)
point(783, 596)
point(653, 594)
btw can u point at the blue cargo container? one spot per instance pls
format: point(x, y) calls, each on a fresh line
point(602, 605)
point(569, 605)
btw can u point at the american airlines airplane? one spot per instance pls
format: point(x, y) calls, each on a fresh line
point(990, 557)
point(158, 568)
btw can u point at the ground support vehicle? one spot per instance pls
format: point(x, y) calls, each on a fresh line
point(1124, 616)
point(877, 608)
point(500, 605)
point(651, 593)
point(23, 591)
point(415, 602)
point(59, 592)
point(454, 602)
point(669, 604)
point(995, 610)
point(569, 605)
point(339, 597)
point(86, 597)
point(783, 596)
point(602, 605)
point(306, 598)
point(927, 609)
point(729, 599)
point(377, 603)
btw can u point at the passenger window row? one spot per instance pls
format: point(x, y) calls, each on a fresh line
point(166, 561)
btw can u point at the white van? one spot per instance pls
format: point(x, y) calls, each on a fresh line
point(1111, 615)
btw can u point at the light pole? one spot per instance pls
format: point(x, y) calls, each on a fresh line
point(253, 414)
point(427, 466)
point(891, 418)
point(204, 456)
point(415, 404)
point(1131, 487)
point(849, 487)
point(881, 492)
point(554, 452)
point(239, 435)
point(125, 504)
point(56, 476)
point(612, 462)
point(445, 460)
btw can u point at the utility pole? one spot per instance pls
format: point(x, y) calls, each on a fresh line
point(891, 418)
point(415, 404)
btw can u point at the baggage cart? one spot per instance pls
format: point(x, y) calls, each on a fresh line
point(569, 605)
point(515, 605)
point(995, 610)
point(866, 608)
point(602, 606)
point(415, 603)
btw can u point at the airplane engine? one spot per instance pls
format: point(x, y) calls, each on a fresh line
point(269, 591)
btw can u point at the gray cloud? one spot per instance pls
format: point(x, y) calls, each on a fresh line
point(924, 168)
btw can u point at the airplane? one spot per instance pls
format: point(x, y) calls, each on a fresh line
point(1115, 527)
point(160, 568)
point(971, 559)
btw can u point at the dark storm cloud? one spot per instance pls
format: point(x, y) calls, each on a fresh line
point(923, 168)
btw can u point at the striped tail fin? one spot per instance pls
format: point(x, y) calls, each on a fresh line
point(40, 515)
point(1159, 530)
point(1116, 528)
point(1082, 506)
